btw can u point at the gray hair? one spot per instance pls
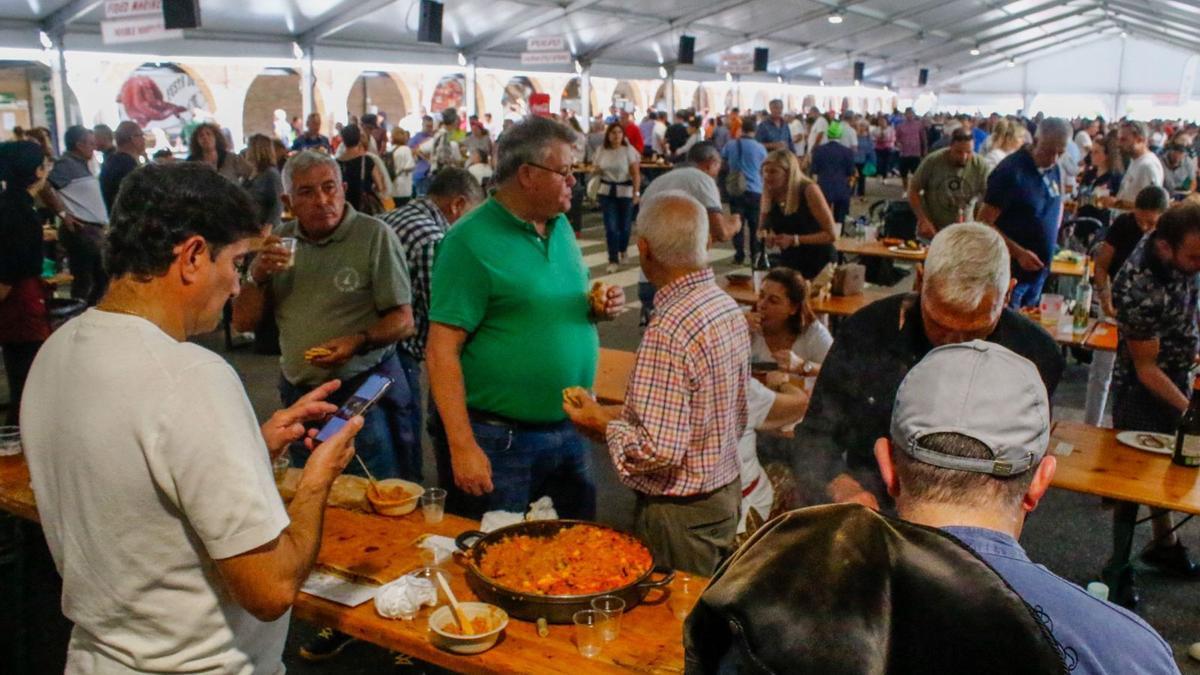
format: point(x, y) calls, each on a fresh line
point(527, 142)
point(455, 182)
point(1054, 129)
point(966, 261)
point(126, 132)
point(306, 161)
point(702, 152)
point(1141, 129)
point(675, 226)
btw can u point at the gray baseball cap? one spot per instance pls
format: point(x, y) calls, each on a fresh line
point(981, 390)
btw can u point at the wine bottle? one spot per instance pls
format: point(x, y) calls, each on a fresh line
point(760, 268)
point(1187, 439)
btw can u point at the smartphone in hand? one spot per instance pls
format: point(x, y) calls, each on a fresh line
point(358, 404)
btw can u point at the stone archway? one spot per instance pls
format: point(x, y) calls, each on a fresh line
point(377, 92)
point(701, 100)
point(626, 92)
point(515, 100)
point(271, 90)
point(30, 102)
point(572, 99)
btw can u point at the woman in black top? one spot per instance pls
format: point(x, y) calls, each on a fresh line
point(24, 322)
point(796, 217)
point(1102, 177)
point(364, 183)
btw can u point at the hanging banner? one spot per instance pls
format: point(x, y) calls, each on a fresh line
point(545, 58)
point(737, 63)
point(163, 97)
point(546, 44)
point(139, 29)
point(126, 9)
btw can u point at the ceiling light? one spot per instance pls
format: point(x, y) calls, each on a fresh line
point(1124, 34)
point(822, 83)
point(462, 59)
point(662, 72)
point(779, 79)
point(297, 51)
point(578, 67)
point(1012, 63)
point(857, 83)
point(975, 50)
point(47, 43)
point(729, 77)
point(836, 17)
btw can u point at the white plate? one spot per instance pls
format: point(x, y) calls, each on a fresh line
point(907, 251)
point(1130, 438)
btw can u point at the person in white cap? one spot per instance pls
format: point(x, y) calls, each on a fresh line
point(967, 454)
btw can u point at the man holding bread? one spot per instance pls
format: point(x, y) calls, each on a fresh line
point(511, 327)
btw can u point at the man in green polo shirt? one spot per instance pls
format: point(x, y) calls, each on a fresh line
point(511, 327)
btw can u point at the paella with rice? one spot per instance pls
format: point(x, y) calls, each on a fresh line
point(577, 560)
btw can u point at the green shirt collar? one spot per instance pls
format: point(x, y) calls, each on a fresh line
point(339, 233)
point(524, 225)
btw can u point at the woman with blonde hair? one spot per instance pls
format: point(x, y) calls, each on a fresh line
point(264, 184)
point(796, 218)
point(1004, 141)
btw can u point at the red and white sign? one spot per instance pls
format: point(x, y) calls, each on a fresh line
point(546, 44)
point(142, 29)
point(738, 63)
point(125, 9)
point(545, 58)
point(539, 104)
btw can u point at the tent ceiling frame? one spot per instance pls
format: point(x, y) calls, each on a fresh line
point(1150, 11)
point(795, 22)
point(675, 23)
point(515, 30)
point(343, 15)
point(1033, 51)
point(889, 23)
point(56, 22)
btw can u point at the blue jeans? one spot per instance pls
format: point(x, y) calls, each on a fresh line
point(528, 462)
point(389, 442)
point(618, 223)
point(1029, 293)
point(420, 188)
point(748, 205)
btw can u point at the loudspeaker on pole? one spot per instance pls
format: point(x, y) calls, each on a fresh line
point(687, 49)
point(429, 25)
point(760, 59)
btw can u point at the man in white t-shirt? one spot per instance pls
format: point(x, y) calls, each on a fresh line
point(817, 127)
point(153, 478)
point(770, 406)
point(1144, 170)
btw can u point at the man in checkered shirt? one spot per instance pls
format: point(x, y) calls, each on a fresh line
point(421, 224)
point(675, 440)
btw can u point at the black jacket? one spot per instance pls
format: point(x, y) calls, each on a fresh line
point(851, 405)
point(840, 589)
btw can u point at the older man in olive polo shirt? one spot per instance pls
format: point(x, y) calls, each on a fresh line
point(510, 328)
point(342, 301)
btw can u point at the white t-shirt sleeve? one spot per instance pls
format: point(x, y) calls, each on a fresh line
point(214, 468)
point(814, 343)
point(759, 400)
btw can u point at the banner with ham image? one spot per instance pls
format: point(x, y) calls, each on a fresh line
point(164, 97)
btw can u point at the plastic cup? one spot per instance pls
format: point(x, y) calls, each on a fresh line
point(589, 632)
point(1052, 306)
point(612, 608)
point(280, 465)
point(433, 505)
point(684, 593)
point(289, 245)
point(430, 572)
point(10, 441)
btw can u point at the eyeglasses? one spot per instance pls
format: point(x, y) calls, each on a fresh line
point(564, 173)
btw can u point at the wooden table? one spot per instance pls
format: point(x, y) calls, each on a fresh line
point(1103, 337)
point(833, 305)
point(651, 639)
point(875, 249)
point(60, 279)
point(1101, 465)
point(612, 375)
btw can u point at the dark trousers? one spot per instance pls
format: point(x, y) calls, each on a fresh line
point(748, 205)
point(691, 534)
point(18, 358)
point(528, 462)
point(618, 224)
point(883, 161)
point(841, 208)
point(33, 631)
point(860, 186)
point(87, 265)
point(388, 443)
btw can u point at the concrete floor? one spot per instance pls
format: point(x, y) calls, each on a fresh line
point(1069, 533)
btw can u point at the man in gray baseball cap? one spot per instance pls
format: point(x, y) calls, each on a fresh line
point(967, 454)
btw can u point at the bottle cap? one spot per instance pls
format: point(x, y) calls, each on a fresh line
point(1098, 589)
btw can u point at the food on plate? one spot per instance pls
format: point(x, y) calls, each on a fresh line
point(912, 245)
point(598, 297)
point(891, 241)
point(577, 560)
point(479, 625)
point(1150, 441)
point(575, 396)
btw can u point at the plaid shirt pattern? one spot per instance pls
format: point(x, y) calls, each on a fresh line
point(685, 407)
point(420, 226)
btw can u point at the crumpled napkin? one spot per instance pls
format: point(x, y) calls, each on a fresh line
point(442, 547)
point(542, 509)
point(404, 597)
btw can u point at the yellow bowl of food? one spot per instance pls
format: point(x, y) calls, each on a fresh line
point(487, 622)
point(393, 496)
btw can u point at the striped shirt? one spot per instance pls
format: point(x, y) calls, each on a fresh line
point(420, 226)
point(685, 407)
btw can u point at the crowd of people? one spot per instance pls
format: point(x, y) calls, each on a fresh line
point(453, 253)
